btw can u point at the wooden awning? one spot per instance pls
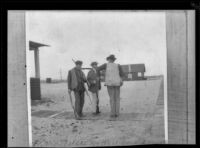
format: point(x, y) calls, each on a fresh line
point(35, 45)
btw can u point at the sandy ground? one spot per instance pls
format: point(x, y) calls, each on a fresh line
point(141, 120)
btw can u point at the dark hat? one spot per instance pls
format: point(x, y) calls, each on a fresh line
point(93, 63)
point(112, 57)
point(79, 62)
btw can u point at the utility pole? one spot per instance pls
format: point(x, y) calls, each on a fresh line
point(60, 74)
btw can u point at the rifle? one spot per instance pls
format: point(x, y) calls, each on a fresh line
point(70, 97)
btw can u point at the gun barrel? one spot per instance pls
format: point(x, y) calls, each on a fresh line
point(86, 68)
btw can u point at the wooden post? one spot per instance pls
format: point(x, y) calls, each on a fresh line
point(191, 76)
point(142, 74)
point(61, 74)
point(37, 63)
point(18, 134)
point(181, 76)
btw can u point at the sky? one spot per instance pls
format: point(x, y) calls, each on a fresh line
point(133, 37)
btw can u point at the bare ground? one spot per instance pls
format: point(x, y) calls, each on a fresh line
point(141, 120)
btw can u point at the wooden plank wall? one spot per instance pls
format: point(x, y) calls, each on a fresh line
point(191, 77)
point(181, 98)
point(17, 93)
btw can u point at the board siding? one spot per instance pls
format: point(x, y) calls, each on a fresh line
point(181, 77)
point(17, 91)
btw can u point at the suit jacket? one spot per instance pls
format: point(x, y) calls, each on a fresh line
point(91, 77)
point(76, 80)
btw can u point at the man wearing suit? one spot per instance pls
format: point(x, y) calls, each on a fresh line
point(94, 86)
point(76, 80)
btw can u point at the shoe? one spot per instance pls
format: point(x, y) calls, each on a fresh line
point(97, 110)
point(112, 117)
point(77, 117)
point(82, 115)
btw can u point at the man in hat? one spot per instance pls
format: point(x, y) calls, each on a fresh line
point(94, 86)
point(113, 80)
point(76, 79)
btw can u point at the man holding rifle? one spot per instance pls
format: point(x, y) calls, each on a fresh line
point(76, 79)
point(94, 86)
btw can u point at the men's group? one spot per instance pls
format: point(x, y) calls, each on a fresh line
point(113, 80)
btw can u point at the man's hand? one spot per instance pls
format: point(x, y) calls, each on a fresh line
point(69, 91)
point(121, 82)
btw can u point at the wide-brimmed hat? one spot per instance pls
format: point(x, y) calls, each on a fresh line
point(94, 63)
point(78, 62)
point(112, 57)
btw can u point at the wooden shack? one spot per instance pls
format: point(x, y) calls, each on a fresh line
point(48, 80)
point(131, 71)
point(134, 71)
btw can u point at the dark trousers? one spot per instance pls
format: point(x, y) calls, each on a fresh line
point(79, 101)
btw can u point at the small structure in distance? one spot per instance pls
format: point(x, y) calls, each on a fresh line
point(134, 71)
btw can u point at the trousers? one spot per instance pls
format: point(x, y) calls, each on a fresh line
point(79, 101)
point(95, 101)
point(114, 94)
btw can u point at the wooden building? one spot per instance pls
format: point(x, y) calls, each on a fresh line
point(131, 71)
point(134, 71)
point(48, 80)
